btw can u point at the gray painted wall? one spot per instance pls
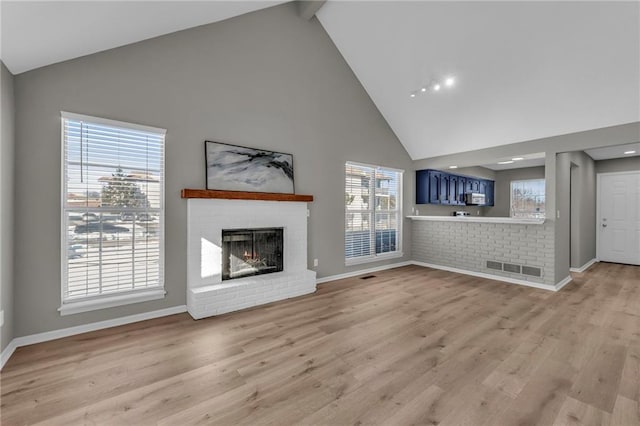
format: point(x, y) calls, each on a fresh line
point(6, 204)
point(502, 207)
point(562, 216)
point(268, 79)
point(583, 209)
point(629, 164)
point(607, 136)
point(579, 141)
point(575, 237)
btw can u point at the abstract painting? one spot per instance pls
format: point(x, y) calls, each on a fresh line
point(237, 168)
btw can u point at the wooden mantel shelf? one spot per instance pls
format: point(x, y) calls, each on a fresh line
point(241, 195)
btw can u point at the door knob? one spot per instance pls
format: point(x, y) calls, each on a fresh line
point(604, 225)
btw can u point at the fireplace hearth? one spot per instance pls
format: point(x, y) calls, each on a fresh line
point(208, 293)
point(247, 252)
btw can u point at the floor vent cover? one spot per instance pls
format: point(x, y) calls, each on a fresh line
point(532, 271)
point(494, 265)
point(366, 277)
point(510, 267)
point(529, 270)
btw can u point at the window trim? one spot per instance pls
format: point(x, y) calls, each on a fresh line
point(110, 300)
point(382, 256)
point(544, 180)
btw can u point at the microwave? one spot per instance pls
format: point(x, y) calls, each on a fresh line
point(474, 199)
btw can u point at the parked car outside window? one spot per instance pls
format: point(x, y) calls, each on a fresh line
point(105, 228)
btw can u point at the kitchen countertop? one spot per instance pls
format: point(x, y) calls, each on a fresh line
point(480, 219)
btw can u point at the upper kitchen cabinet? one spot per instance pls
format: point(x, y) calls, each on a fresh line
point(438, 187)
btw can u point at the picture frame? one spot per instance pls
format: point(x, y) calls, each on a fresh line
point(239, 168)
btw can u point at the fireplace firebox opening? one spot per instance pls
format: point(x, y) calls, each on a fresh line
point(247, 252)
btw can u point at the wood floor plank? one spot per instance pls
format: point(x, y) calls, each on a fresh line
point(598, 383)
point(421, 409)
point(516, 371)
point(540, 400)
point(626, 412)
point(481, 402)
point(576, 413)
point(630, 380)
point(412, 345)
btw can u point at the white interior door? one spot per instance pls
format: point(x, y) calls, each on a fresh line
point(619, 217)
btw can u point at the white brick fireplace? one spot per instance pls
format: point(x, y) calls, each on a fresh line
point(207, 294)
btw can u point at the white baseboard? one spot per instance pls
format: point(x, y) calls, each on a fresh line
point(490, 276)
point(362, 272)
point(549, 287)
point(584, 267)
point(71, 331)
point(562, 283)
point(7, 352)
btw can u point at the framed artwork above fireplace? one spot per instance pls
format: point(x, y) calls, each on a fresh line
point(238, 168)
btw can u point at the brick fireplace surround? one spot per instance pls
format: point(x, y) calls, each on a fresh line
point(207, 294)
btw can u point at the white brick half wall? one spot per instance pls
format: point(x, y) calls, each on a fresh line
point(207, 294)
point(468, 246)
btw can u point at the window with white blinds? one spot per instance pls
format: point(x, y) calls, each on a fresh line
point(373, 212)
point(112, 209)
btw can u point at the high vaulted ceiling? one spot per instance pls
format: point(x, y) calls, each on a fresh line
point(39, 33)
point(524, 70)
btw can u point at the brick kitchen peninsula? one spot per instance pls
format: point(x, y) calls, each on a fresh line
point(519, 251)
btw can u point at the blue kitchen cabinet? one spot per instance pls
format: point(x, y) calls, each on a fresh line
point(473, 185)
point(428, 186)
point(435, 183)
point(457, 189)
point(489, 193)
point(462, 188)
point(422, 187)
point(437, 187)
point(445, 184)
point(431, 186)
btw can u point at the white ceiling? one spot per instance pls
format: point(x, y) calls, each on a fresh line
point(610, 152)
point(528, 160)
point(39, 33)
point(525, 70)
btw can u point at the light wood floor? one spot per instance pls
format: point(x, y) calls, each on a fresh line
point(411, 346)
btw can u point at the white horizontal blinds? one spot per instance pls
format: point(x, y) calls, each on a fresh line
point(372, 210)
point(387, 210)
point(359, 185)
point(113, 208)
point(528, 198)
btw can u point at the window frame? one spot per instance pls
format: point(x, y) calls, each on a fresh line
point(375, 257)
point(511, 211)
point(103, 301)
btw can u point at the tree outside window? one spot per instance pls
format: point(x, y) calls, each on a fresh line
point(528, 198)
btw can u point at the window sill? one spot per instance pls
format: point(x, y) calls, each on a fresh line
point(71, 308)
point(379, 258)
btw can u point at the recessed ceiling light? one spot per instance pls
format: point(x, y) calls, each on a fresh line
point(436, 87)
point(413, 95)
point(506, 162)
point(629, 152)
point(517, 158)
point(424, 89)
point(450, 81)
point(453, 167)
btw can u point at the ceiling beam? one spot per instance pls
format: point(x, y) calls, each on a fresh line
point(308, 8)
